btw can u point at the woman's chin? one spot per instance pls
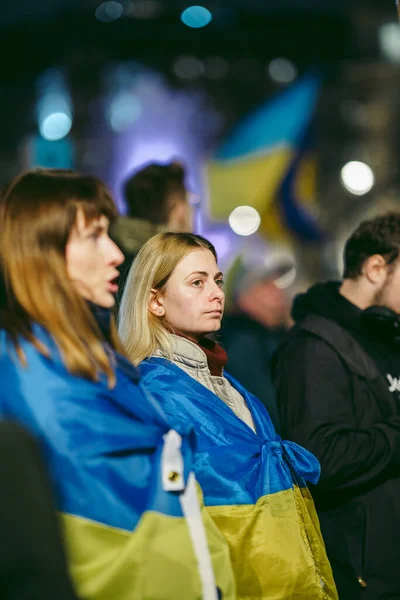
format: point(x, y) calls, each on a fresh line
point(216, 326)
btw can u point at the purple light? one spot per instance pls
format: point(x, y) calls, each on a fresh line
point(173, 125)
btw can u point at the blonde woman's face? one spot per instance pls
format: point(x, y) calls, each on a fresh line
point(92, 261)
point(193, 299)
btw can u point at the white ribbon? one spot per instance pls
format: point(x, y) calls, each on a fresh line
point(173, 480)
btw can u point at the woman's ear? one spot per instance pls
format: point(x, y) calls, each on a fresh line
point(155, 304)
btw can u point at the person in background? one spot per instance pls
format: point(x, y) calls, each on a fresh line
point(338, 380)
point(157, 200)
point(253, 482)
point(32, 559)
point(121, 471)
point(255, 323)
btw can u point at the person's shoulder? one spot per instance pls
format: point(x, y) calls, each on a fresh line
point(158, 366)
point(8, 347)
point(304, 346)
point(160, 375)
point(169, 385)
point(312, 328)
point(21, 355)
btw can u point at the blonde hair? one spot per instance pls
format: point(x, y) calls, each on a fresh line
point(37, 214)
point(142, 332)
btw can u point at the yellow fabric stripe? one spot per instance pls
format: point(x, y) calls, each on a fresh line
point(253, 182)
point(273, 226)
point(276, 548)
point(154, 562)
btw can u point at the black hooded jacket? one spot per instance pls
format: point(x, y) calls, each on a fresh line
point(338, 385)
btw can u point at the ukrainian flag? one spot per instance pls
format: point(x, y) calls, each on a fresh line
point(133, 523)
point(264, 162)
point(254, 486)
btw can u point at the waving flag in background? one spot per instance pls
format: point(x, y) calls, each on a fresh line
point(296, 200)
point(266, 162)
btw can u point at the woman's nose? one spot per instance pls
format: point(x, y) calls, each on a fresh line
point(117, 257)
point(218, 292)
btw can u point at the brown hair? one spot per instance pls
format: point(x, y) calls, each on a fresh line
point(148, 192)
point(37, 214)
point(141, 331)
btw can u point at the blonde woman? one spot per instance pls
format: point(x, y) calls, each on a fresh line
point(121, 470)
point(253, 482)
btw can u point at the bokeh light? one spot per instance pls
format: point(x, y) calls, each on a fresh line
point(244, 220)
point(109, 11)
point(196, 16)
point(389, 41)
point(357, 177)
point(55, 126)
point(124, 110)
point(282, 70)
point(54, 109)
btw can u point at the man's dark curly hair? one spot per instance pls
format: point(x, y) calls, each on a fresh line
point(380, 235)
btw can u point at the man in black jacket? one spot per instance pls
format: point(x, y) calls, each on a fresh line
point(338, 381)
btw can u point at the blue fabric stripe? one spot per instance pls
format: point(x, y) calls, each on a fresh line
point(103, 446)
point(296, 214)
point(278, 123)
point(233, 464)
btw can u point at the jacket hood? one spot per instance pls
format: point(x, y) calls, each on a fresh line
point(325, 300)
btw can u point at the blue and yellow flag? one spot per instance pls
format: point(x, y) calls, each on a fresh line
point(126, 494)
point(254, 487)
point(265, 162)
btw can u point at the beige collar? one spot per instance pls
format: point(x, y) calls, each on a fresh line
point(186, 352)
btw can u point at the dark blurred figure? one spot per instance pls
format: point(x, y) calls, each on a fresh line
point(32, 561)
point(338, 379)
point(157, 200)
point(254, 325)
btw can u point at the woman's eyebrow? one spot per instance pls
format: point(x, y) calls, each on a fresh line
point(204, 273)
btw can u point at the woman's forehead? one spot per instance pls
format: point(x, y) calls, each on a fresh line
point(83, 221)
point(198, 260)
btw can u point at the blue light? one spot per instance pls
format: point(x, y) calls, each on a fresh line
point(196, 16)
point(53, 109)
point(125, 109)
point(109, 11)
point(55, 126)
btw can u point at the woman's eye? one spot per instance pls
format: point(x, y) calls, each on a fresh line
point(220, 282)
point(197, 283)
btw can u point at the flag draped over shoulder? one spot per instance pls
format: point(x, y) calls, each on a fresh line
point(254, 488)
point(266, 162)
point(123, 479)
